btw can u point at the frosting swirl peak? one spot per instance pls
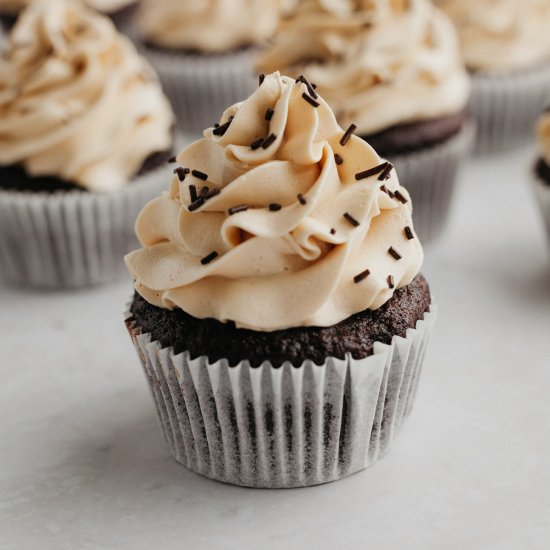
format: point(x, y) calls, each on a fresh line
point(378, 63)
point(276, 219)
point(76, 99)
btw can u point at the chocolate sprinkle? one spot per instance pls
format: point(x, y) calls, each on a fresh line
point(204, 191)
point(333, 231)
point(195, 205)
point(338, 159)
point(347, 134)
point(237, 209)
point(268, 141)
point(261, 78)
point(275, 207)
point(408, 233)
point(181, 172)
point(400, 197)
point(393, 253)
point(349, 218)
point(310, 100)
point(269, 114)
point(302, 199)
point(391, 281)
point(193, 193)
point(361, 276)
point(387, 191)
point(371, 171)
point(171, 160)
point(211, 193)
point(220, 130)
point(200, 175)
point(256, 144)
point(207, 259)
point(386, 172)
point(310, 87)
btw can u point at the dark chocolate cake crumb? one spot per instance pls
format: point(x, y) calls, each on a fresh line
point(355, 335)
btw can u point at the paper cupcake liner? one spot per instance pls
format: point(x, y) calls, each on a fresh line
point(71, 239)
point(288, 426)
point(202, 87)
point(507, 107)
point(430, 176)
point(542, 194)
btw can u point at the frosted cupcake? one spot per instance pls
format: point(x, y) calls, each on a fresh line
point(120, 11)
point(279, 312)
point(542, 168)
point(393, 74)
point(506, 46)
point(204, 51)
point(85, 132)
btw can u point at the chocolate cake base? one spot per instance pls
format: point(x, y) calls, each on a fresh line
point(356, 334)
point(15, 178)
point(543, 171)
point(415, 136)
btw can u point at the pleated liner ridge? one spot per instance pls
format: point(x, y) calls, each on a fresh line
point(288, 426)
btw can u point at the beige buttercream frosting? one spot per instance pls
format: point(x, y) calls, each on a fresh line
point(289, 230)
point(501, 35)
point(209, 26)
point(105, 6)
point(543, 133)
point(76, 100)
point(378, 63)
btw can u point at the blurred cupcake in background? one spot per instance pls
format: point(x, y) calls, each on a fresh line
point(542, 168)
point(280, 316)
point(506, 47)
point(120, 11)
point(393, 74)
point(204, 51)
point(85, 133)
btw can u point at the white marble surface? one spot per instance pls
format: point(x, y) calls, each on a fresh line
point(83, 464)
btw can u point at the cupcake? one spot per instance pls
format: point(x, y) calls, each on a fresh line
point(85, 132)
point(120, 11)
point(279, 312)
point(393, 73)
point(506, 47)
point(542, 168)
point(204, 51)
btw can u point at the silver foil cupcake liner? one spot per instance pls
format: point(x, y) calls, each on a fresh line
point(202, 87)
point(430, 176)
point(506, 107)
point(542, 194)
point(71, 239)
point(283, 427)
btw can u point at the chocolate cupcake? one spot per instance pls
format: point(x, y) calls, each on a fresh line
point(204, 52)
point(120, 11)
point(85, 132)
point(542, 169)
point(394, 74)
point(506, 47)
point(279, 314)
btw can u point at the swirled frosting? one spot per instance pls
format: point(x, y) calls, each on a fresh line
point(377, 63)
point(105, 6)
point(501, 35)
point(76, 100)
point(290, 224)
point(543, 133)
point(211, 27)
